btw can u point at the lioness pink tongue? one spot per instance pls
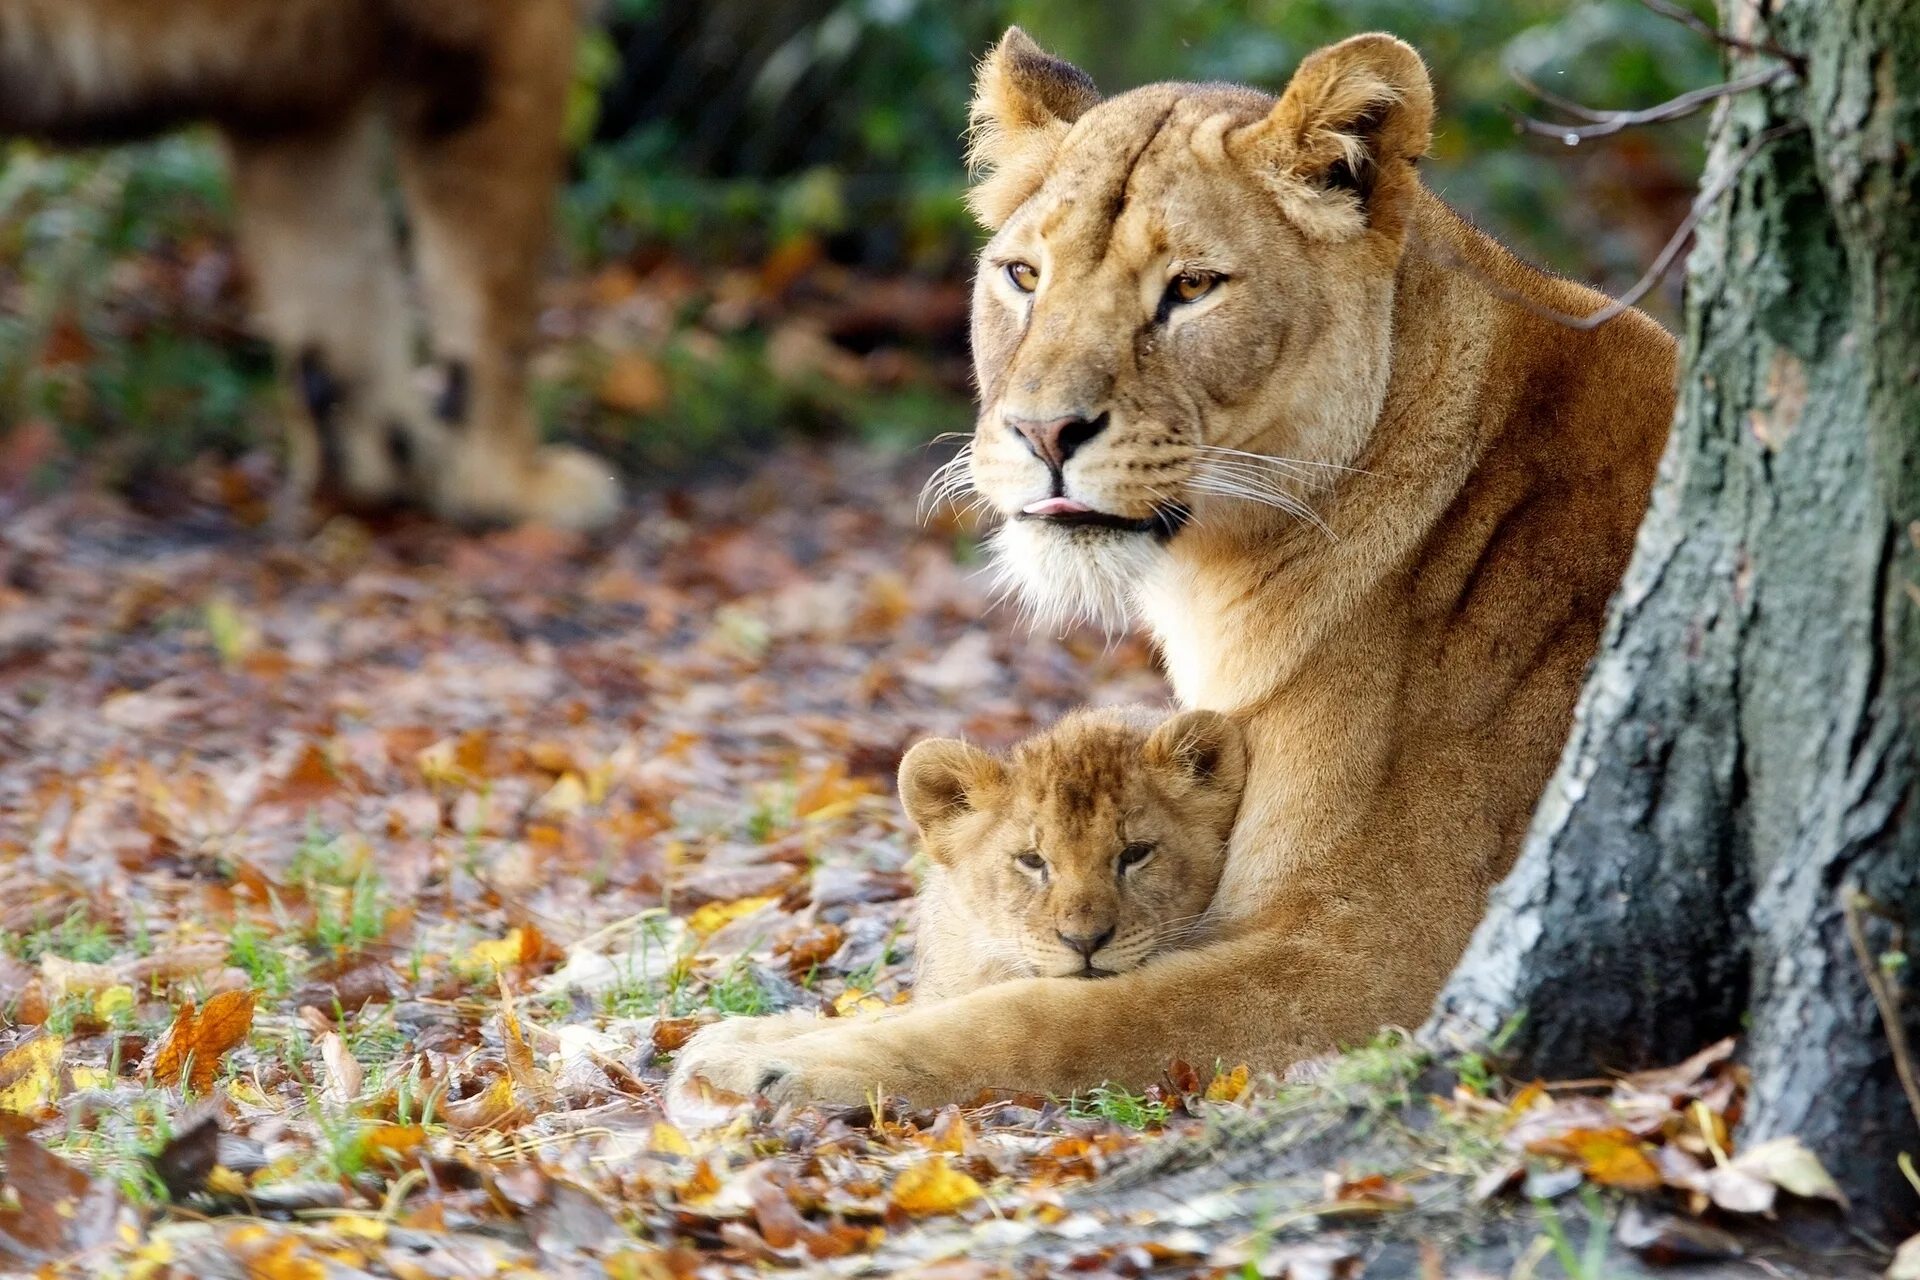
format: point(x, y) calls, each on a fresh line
point(1056, 507)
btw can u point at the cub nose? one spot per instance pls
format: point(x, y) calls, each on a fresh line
point(1054, 440)
point(1088, 943)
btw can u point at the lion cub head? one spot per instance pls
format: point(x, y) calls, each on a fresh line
point(1093, 847)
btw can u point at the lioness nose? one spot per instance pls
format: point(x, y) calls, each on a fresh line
point(1088, 943)
point(1054, 440)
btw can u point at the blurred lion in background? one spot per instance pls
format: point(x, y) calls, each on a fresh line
point(467, 97)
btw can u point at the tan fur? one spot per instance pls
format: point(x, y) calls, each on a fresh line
point(1078, 797)
point(468, 96)
point(1400, 613)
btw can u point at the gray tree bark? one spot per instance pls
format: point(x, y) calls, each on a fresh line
point(1747, 749)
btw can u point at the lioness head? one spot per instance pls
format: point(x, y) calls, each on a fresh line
point(1185, 304)
point(1095, 846)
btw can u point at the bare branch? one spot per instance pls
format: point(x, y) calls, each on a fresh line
point(1663, 261)
point(1689, 19)
point(1853, 904)
point(1604, 123)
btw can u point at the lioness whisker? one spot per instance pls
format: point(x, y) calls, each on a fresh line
point(1274, 457)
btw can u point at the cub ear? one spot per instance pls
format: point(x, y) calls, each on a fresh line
point(1338, 148)
point(1024, 101)
point(1204, 748)
point(941, 778)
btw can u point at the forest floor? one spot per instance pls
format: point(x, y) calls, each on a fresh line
point(356, 892)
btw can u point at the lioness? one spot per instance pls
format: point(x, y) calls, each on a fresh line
point(1093, 847)
point(307, 93)
point(1242, 376)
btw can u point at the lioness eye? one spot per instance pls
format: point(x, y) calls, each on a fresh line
point(1191, 286)
point(1025, 276)
point(1031, 861)
point(1135, 854)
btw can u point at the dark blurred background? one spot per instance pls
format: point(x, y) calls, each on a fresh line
point(763, 234)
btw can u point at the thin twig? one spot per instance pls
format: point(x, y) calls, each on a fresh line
point(1606, 123)
point(1853, 904)
point(1662, 263)
point(1688, 18)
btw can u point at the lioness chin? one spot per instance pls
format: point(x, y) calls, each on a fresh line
point(310, 96)
point(1244, 378)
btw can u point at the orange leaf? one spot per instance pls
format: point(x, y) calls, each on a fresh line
point(633, 384)
point(202, 1038)
point(1610, 1157)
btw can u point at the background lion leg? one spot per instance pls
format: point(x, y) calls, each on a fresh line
point(328, 287)
point(480, 152)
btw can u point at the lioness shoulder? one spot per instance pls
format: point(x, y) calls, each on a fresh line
point(1089, 849)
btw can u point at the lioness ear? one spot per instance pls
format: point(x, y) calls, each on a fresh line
point(940, 777)
point(1201, 747)
point(1024, 101)
point(1338, 148)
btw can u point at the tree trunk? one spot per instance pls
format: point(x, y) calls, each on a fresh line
point(1746, 752)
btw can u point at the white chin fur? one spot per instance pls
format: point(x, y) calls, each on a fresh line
point(1066, 576)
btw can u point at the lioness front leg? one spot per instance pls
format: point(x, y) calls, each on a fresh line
point(480, 153)
point(1266, 1000)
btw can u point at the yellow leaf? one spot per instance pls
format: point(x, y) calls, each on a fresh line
point(1533, 1095)
point(90, 1077)
point(113, 1002)
point(360, 1226)
point(226, 1182)
point(28, 1076)
point(493, 956)
point(392, 1143)
point(668, 1141)
point(933, 1186)
point(716, 915)
point(566, 796)
point(853, 1003)
point(1228, 1086)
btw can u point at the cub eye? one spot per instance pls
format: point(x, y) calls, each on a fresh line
point(1135, 854)
point(1031, 861)
point(1024, 275)
point(1191, 286)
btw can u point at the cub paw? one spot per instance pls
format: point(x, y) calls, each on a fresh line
point(784, 1059)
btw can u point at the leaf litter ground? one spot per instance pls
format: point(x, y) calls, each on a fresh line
point(355, 894)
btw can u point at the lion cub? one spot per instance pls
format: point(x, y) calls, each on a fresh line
point(1093, 847)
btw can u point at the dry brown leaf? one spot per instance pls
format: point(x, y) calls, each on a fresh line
point(344, 1074)
point(633, 383)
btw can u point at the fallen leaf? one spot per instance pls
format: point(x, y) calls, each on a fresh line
point(1227, 1086)
point(1787, 1164)
point(932, 1186)
point(197, 1041)
point(716, 915)
point(344, 1074)
point(29, 1073)
point(1611, 1157)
